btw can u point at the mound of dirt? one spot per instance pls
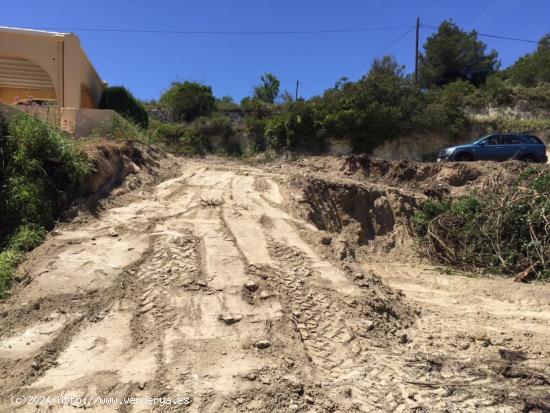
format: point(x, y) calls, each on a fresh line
point(367, 204)
point(453, 174)
point(112, 162)
point(426, 177)
point(363, 217)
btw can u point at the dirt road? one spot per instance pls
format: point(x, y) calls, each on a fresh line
point(209, 289)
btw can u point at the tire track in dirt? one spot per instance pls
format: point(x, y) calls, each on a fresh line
point(208, 288)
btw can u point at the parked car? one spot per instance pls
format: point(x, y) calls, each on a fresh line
point(498, 147)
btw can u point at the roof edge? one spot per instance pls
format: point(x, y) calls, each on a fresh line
point(33, 32)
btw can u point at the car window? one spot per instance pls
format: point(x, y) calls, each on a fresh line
point(492, 140)
point(532, 139)
point(511, 140)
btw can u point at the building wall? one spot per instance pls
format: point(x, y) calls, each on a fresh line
point(46, 53)
point(62, 58)
point(87, 98)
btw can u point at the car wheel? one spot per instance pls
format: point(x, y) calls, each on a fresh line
point(528, 159)
point(464, 157)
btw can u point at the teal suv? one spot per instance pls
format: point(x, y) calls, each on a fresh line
point(498, 147)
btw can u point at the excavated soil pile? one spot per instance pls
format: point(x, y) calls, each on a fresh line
point(362, 217)
point(425, 178)
point(368, 204)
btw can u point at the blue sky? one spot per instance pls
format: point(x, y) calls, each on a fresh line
point(231, 64)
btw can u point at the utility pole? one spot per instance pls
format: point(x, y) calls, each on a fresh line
point(297, 85)
point(416, 53)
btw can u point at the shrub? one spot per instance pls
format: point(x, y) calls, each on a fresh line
point(40, 174)
point(268, 90)
point(167, 133)
point(9, 260)
point(496, 91)
point(445, 109)
point(191, 143)
point(294, 128)
point(255, 132)
point(216, 125)
point(379, 107)
point(505, 124)
point(188, 100)
point(119, 99)
point(226, 104)
point(27, 237)
point(121, 129)
point(503, 228)
point(258, 109)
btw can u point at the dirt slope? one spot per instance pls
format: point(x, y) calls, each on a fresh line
point(226, 287)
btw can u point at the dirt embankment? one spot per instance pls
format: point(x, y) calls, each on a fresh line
point(366, 205)
point(361, 217)
point(112, 163)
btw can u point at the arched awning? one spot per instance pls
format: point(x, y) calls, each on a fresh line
point(23, 74)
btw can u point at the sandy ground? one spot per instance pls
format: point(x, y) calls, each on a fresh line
point(207, 290)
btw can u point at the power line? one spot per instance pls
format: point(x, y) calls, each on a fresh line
point(263, 32)
point(224, 32)
point(495, 36)
point(350, 69)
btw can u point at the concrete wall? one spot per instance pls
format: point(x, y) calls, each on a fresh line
point(77, 122)
point(83, 122)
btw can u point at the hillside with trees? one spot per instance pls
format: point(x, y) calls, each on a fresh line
point(461, 92)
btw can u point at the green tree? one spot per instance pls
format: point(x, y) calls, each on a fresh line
point(188, 100)
point(294, 128)
point(533, 68)
point(386, 66)
point(119, 99)
point(268, 90)
point(452, 54)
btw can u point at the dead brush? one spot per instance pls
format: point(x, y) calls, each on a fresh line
point(502, 228)
point(210, 202)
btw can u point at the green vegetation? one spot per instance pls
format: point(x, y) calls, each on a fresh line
point(503, 228)
point(294, 128)
point(119, 99)
point(511, 124)
point(188, 100)
point(41, 172)
point(120, 129)
point(268, 90)
point(458, 77)
point(534, 68)
point(194, 138)
point(452, 54)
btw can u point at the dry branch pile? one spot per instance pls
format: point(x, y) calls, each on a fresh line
point(502, 228)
